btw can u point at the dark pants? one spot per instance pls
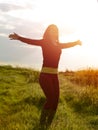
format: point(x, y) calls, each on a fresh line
point(50, 86)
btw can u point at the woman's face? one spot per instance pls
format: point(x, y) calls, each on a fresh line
point(53, 34)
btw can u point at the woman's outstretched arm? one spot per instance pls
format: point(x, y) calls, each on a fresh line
point(70, 44)
point(15, 36)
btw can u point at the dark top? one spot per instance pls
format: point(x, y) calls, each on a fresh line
point(51, 52)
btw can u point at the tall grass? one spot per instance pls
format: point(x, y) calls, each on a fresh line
point(86, 83)
point(21, 101)
point(20, 98)
point(85, 77)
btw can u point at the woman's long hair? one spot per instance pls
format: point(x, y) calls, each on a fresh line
point(51, 31)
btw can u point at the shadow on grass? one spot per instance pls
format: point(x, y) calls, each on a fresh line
point(31, 101)
point(38, 102)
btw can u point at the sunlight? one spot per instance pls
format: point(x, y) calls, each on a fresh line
point(83, 23)
point(76, 19)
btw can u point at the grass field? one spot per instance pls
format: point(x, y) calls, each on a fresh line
point(21, 100)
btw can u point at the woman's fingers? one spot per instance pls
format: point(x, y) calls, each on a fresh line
point(13, 36)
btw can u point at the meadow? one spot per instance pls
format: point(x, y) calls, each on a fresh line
point(21, 100)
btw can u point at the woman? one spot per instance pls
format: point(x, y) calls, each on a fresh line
point(51, 48)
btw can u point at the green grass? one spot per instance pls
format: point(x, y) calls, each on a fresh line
point(21, 101)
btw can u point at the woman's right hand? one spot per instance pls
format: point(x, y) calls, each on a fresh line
point(14, 36)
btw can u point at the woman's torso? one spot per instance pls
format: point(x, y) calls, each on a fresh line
point(51, 55)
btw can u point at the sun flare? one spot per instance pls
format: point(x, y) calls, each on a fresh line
point(76, 19)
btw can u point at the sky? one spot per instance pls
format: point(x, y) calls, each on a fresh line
point(76, 19)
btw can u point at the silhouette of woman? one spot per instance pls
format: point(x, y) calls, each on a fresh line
point(51, 49)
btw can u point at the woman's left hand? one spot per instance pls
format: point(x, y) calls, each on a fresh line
point(79, 42)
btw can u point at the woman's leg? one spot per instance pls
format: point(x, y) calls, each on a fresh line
point(50, 85)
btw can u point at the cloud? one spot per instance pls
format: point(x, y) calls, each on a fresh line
point(3, 35)
point(12, 5)
point(7, 27)
point(5, 7)
point(10, 24)
point(17, 52)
